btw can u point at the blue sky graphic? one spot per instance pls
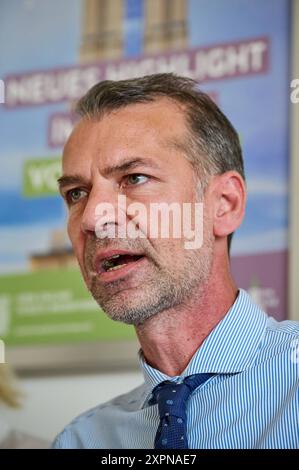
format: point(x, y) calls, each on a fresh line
point(257, 106)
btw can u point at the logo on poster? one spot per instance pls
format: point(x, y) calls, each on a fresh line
point(2, 91)
point(295, 93)
point(5, 306)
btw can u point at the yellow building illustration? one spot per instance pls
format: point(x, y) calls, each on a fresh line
point(60, 254)
point(165, 27)
point(102, 30)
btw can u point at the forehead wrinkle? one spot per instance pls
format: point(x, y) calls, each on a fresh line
point(129, 164)
point(68, 180)
point(166, 137)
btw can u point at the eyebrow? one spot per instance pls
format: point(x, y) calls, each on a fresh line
point(129, 164)
point(125, 165)
point(67, 180)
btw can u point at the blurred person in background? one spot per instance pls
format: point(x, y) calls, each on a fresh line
point(11, 396)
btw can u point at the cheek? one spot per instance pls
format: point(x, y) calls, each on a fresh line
point(169, 252)
point(76, 237)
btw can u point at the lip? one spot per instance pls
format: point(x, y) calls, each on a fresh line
point(109, 276)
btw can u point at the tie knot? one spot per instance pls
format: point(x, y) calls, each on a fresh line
point(172, 397)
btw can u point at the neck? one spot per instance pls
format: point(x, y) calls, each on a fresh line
point(170, 339)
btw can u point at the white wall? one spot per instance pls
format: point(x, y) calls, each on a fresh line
point(52, 402)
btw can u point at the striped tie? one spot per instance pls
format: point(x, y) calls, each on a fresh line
point(172, 398)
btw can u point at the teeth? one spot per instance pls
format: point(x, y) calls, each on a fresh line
point(114, 268)
point(108, 263)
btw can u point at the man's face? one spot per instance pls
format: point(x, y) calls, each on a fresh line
point(131, 152)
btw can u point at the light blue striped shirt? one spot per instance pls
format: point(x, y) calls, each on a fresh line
point(251, 403)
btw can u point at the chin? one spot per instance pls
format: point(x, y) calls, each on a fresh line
point(114, 309)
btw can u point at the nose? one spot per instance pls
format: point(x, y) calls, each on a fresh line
point(103, 210)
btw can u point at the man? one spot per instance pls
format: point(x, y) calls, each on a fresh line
point(218, 372)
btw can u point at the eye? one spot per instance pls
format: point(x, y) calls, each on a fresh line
point(134, 179)
point(75, 195)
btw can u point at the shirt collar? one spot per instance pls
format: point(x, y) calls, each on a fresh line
point(229, 348)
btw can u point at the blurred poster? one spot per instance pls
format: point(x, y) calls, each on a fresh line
point(51, 52)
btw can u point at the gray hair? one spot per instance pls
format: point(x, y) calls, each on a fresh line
point(211, 144)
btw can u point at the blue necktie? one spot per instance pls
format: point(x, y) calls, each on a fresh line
point(172, 398)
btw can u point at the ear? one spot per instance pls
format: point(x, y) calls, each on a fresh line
point(229, 198)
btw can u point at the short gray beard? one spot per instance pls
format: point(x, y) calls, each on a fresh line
point(166, 289)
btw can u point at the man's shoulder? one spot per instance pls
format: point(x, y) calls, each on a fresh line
point(282, 330)
point(280, 338)
point(73, 434)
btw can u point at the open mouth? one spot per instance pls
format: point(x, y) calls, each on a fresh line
point(118, 261)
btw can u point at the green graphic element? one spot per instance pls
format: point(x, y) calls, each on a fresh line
point(2, 352)
point(40, 177)
point(53, 307)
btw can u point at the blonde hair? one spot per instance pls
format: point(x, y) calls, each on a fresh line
point(9, 393)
